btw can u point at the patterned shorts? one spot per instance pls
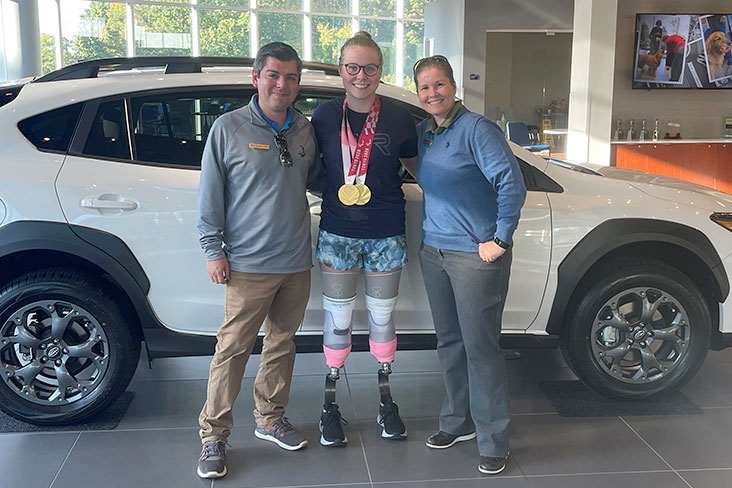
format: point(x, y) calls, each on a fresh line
point(376, 255)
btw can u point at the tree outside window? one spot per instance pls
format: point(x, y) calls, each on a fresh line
point(163, 31)
point(413, 50)
point(281, 27)
point(100, 33)
point(377, 8)
point(225, 3)
point(280, 4)
point(224, 33)
point(383, 32)
point(329, 34)
point(331, 6)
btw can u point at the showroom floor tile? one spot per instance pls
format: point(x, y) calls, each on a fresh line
point(156, 443)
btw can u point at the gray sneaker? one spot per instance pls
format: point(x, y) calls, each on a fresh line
point(282, 433)
point(212, 463)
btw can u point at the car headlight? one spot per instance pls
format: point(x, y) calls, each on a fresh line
point(722, 218)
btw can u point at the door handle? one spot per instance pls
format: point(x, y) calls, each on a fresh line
point(108, 202)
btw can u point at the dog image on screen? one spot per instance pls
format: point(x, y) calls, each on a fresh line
point(651, 62)
point(717, 45)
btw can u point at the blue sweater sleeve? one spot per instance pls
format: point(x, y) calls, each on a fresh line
point(499, 166)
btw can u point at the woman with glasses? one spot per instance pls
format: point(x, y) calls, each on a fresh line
point(473, 193)
point(363, 138)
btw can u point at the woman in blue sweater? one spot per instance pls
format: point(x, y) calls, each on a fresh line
point(473, 194)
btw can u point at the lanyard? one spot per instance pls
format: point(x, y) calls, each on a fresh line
point(355, 154)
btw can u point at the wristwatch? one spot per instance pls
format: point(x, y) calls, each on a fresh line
point(502, 244)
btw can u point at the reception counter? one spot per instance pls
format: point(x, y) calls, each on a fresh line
point(707, 162)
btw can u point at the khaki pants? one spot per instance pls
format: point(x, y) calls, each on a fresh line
point(278, 301)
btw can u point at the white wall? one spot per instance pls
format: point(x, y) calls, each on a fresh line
point(484, 15)
point(700, 112)
point(539, 73)
point(498, 70)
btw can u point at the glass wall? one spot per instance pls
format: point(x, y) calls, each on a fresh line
point(161, 30)
point(92, 29)
point(100, 31)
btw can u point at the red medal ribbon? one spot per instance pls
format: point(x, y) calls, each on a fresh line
point(356, 154)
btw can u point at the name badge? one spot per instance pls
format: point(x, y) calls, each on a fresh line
point(253, 145)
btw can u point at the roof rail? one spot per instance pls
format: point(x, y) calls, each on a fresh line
point(173, 64)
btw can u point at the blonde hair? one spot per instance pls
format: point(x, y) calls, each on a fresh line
point(363, 39)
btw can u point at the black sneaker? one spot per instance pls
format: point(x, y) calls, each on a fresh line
point(492, 465)
point(390, 422)
point(212, 463)
point(443, 440)
point(331, 427)
point(282, 433)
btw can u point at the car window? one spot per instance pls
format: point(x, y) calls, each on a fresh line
point(172, 128)
point(52, 131)
point(108, 132)
point(307, 104)
point(537, 180)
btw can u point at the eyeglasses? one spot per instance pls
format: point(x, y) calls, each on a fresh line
point(369, 70)
point(437, 58)
point(285, 156)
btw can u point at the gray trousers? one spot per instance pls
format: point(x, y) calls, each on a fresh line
point(467, 295)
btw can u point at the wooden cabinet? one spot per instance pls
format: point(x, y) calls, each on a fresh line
point(708, 164)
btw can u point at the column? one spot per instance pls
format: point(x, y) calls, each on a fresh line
point(591, 81)
point(21, 38)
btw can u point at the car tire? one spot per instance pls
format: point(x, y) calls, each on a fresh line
point(636, 328)
point(67, 349)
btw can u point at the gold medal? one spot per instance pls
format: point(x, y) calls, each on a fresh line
point(348, 194)
point(364, 194)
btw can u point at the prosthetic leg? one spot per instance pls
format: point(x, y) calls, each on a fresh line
point(381, 297)
point(339, 297)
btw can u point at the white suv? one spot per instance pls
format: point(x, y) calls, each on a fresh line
point(627, 272)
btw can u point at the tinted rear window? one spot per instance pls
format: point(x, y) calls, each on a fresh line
point(108, 134)
point(52, 131)
point(172, 128)
point(8, 94)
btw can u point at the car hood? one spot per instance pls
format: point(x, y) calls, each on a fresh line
point(670, 189)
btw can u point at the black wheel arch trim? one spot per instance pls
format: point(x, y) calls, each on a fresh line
point(616, 233)
point(104, 250)
point(721, 340)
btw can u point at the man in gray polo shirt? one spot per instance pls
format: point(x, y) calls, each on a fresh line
point(254, 227)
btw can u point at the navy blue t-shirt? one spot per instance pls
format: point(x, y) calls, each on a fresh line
point(395, 137)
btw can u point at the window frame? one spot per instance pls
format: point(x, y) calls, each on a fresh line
point(91, 107)
point(87, 118)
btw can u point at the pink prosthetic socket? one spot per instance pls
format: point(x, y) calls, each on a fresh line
point(383, 351)
point(336, 357)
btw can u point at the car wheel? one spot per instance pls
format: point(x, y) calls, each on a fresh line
point(67, 350)
point(636, 329)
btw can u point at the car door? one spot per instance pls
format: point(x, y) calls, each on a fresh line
point(133, 171)
point(531, 254)
point(532, 245)
point(412, 310)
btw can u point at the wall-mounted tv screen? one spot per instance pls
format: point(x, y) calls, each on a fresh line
point(683, 51)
